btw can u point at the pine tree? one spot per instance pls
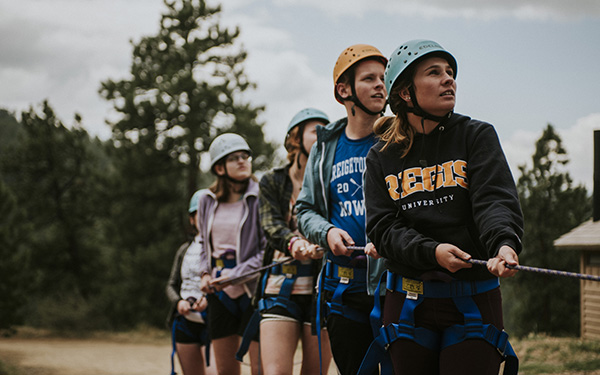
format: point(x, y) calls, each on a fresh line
point(186, 86)
point(551, 206)
point(53, 173)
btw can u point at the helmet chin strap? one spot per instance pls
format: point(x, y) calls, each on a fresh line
point(417, 110)
point(356, 102)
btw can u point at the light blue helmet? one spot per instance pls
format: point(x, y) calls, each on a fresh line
point(195, 201)
point(307, 114)
point(410, 52)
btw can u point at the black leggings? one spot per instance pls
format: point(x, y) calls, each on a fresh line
point(468, 357)
point(349, 340)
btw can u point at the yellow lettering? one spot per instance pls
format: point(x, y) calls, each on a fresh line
point(449, 180)
point(409, 182)
point(392, 186)
point(460, 171)
point(428, 174)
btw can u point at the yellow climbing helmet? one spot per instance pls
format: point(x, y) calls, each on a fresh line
point(351, 56)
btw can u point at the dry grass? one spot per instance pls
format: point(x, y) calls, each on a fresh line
point(538, 354)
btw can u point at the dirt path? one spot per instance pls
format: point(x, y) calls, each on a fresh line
point(86, 357)
point(54, 356)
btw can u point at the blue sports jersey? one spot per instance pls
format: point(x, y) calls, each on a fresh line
point(346, 188)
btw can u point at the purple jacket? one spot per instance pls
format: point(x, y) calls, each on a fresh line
point(251, 239)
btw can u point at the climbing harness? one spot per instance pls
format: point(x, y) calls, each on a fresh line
point(180, 325)
point(227, 260)
point(291, 272)
point(461, 293)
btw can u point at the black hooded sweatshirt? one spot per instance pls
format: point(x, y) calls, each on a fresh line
point(471, 202)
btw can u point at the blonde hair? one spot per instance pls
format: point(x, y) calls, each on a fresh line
point(396, 129)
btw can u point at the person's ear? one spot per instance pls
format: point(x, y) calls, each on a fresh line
point(405, 94)
point(343, 90)
point(220, 169)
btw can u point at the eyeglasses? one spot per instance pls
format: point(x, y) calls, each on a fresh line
point(233, 158)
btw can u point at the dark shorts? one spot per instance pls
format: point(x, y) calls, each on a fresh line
point(304, 303)
point(188, 332)
point(437, 314)
point(223, 323)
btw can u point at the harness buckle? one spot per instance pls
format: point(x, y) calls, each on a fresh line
point(412, 295)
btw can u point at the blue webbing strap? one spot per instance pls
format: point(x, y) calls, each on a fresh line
point(282, 300)
point(333, 282)
point(376, 313)
point(173, 328)
point(461, 293)
point(249, 333)
point(376, 324)
point(475, 329)
point(253, 325)
point(405, 328)
point(179, 324)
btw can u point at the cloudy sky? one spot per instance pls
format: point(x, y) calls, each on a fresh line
point(521, 63)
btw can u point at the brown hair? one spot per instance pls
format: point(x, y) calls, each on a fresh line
point(221, 187)
point(293, 142)
point(396, 129)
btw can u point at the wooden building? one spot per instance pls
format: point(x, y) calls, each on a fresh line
point(586, 239)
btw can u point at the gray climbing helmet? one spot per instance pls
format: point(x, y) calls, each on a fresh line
point(224, 145)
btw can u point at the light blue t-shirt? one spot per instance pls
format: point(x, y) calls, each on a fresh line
point(346, 188)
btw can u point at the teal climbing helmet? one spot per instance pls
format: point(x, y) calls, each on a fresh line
point(307, 114)
point(410, 52)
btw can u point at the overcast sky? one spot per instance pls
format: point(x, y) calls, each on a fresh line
point(521, 63)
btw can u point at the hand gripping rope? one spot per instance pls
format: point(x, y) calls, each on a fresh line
point(472, 261)
point(542, 270)
point(247, 276)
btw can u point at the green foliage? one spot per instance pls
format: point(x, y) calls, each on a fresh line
point(54, 176)
point(9, 129)
point(93, 226)
point(551, 207)
point(185, 87)
point(12, 284)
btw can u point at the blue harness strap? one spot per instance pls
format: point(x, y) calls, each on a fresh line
point(461, 293)
point(475, 329)
point(179, 325)
point(235, 308)
point(292, 272)
point(339, 280)
point(174, 344)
